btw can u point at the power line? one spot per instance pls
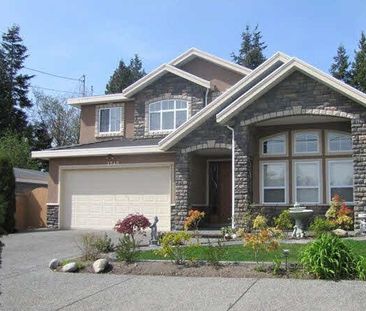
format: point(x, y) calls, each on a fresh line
point(53, 75)
point(54, 90)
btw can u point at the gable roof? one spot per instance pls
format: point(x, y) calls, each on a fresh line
point(280, 74)
point(193, 53)
point(159, 72)
point(212, 108)
point(30, 176)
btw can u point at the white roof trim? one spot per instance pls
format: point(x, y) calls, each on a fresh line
point(193, 52)
point(66, 153)
point(215, 105)
point(281, 73)
point(90, 100)
point(160, 71)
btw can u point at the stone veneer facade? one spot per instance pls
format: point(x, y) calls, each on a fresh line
point(296, 95)
point(52, 216)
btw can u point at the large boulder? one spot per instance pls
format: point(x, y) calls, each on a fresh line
point(70, 267)
point(54, 263)
point(100, 265)
point(340, 232)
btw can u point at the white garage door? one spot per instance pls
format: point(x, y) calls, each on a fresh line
point(97, 198)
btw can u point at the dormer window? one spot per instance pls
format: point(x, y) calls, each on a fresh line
point(167, 115)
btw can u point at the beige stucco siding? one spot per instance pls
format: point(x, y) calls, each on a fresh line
point(87, 124)
point(220, 77)
point(54, 166)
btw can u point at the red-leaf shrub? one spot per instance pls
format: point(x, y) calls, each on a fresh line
point(132, 224)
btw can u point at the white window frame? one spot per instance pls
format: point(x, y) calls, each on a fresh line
point(261, 145)
point(295, 187)
point(110, 116)
point(262, 188)
point(328, 161)
point(174, 110)
point(297, 132)
point(328, 151)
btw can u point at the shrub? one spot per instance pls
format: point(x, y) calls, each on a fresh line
point(266, 239)
point(339, 214)
point(132, 224)
point(104, 244)
point(328, 258)
point(215, 253)
point(7, 195)
point(126, 249)
point(227, 232)
point(173, 246)
point(260, 222)
point(361, 268)
point(193, 219)
point(284, 221)
point(88, 247)
point(321, 225)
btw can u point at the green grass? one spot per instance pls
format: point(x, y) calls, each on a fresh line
point(240, 253)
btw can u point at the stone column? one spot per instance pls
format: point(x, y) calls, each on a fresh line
point(358, 128)
point(182, 190)
point(243, 173)
point(52, 216)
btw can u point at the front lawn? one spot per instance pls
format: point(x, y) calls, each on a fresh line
point(239, 253)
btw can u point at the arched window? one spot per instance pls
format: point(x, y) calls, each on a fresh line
point(167, 115)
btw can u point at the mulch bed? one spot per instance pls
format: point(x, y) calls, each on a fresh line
point(167, 268)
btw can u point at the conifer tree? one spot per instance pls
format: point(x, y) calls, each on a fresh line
point(125, 75)
point(340, 67)
point(251, 50)
point(358, 71)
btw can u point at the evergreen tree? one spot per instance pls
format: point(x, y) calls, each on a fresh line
point(251, 50)
point(358, 71)
point(7, 195)
point(125, 75)
point(340, 67)
point(15, 85)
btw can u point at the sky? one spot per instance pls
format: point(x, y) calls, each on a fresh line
point(72, 38)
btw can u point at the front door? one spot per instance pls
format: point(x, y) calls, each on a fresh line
point(220, 192)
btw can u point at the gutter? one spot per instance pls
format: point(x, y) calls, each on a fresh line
point(232, 175)
point(206, 96)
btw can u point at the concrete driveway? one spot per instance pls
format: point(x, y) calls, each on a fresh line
point(27, 284)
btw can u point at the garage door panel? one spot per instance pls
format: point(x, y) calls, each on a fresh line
point(98, 198)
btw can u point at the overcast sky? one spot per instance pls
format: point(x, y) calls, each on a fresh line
point(72, 38)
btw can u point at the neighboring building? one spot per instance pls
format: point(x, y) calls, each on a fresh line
point(31, 198)
point(164, 145)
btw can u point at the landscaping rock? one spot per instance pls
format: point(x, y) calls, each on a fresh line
point(340, 232)
point(70, 267)
point(53, 264)
point(100, 265)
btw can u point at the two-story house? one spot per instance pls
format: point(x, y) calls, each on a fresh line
point(202, 132)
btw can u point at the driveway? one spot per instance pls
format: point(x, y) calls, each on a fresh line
point(27, 284)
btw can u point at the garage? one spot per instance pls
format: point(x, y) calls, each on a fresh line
point(96, 197)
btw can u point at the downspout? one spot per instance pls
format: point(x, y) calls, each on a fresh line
point(232, 175)
point(206, 96)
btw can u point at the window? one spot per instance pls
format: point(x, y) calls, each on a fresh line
point(339, 142)
point(167, 115)
point(307, 181)
point(306, 142)
point(274, 182)
point(110, 120)
point(340, 179)
point(275, 145)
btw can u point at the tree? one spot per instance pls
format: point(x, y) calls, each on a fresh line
point(251, 50)
point(125, 75)
point(61, 121)
point(17, 149)
point(340, 67)
point(358, 71)
point(14, 84)
point(7, 195)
